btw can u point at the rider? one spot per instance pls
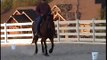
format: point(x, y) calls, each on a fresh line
point(42, 10)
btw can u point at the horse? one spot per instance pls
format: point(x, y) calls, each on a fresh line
point(47, 30)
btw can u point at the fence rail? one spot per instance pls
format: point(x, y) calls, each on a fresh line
point(66, 31)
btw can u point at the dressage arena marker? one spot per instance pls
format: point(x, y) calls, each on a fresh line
point(13, 46)
point(94, 55)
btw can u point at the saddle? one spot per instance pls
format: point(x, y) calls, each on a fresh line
point(50, 24)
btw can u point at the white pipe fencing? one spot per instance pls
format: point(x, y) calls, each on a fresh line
point(66, 31)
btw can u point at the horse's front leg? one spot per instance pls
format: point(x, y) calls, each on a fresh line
point(52, 45)
point(36, 47)
point(46, 53)
point(42, 44)
point(33, 41)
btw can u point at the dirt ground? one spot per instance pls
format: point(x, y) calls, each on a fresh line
point(62, 51)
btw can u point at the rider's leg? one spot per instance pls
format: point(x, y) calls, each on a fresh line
point(39, 20)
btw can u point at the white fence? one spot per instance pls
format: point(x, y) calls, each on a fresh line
point(66, 31)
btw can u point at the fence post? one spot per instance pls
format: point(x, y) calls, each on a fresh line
point(93, 25)
point(77, 25)
point(5, 32)
point(58, 30)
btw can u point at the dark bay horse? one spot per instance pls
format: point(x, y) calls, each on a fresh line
point(47, 30)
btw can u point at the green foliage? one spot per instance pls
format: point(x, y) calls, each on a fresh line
point(49, 0)
point(6, 5)
point(22, 3)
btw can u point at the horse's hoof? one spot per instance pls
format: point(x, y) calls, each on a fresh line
point(46, 54)
point(35, 53)
point(50, 51)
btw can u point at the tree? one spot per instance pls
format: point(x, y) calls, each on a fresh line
point(6, 5)
point(23, 3)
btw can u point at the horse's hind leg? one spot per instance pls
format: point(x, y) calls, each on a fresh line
point(33, 41)
point(42, 44)
point(52, 45)
point(45, 46)
point(36, 47)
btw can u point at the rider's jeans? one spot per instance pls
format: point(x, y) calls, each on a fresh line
point(39, 20)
